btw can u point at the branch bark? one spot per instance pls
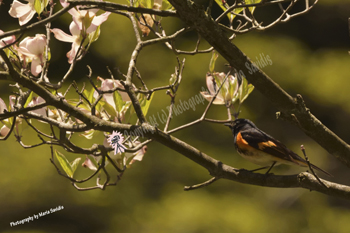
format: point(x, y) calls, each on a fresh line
point(292, 109)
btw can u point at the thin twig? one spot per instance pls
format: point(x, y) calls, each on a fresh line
point(309, 164)
point(204, 184)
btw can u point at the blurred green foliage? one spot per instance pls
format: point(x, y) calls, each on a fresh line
point(150, 197)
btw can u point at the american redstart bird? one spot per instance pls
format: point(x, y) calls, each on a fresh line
point(260, 148)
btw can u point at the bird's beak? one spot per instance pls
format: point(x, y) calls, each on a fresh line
point(228, 124)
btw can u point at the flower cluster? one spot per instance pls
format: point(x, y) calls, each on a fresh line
point(31, 52)
point(29, 56)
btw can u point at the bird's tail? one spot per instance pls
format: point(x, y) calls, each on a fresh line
point(321, 170)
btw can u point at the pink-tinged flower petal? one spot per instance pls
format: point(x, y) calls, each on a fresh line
point(36, 101)
point(2, 106)
point(26, 18)
point(24, 12)
point(97, 21)
point(22, 48)
point(218, 100)
point(64, 3)
point(19, 9)
point(211, 84)
point(88, 164)
point(37, 44)
point(4, 131)
point(62, 36)
point(7, 40)
point(34, 48)
point(36, 66)
point(109, 84)
point(74, 29)
point(72, 53)
point(139, 154)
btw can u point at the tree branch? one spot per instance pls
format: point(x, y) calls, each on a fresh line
point(196, 17)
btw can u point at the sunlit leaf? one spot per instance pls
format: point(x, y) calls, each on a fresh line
point(166, 5)
point(110, 110)
point(118, 100)
point(74, 165)
point(8, 122)
point(145, 104)
point(86, 94)
point(94, 35)
point(91, 95)
point(214, 56)
point(37, 6)
point(88, 134)
point(30, 97)
point(64, 163)
point(224, 6)
point(249, 90)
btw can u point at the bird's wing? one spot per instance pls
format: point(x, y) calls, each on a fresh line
point(264, 142)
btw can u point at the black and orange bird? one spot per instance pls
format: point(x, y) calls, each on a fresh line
point(260, 148)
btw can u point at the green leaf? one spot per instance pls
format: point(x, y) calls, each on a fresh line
point(39, 5)
point(49, 56)
point(248, 91)
point(94, 35)
point(233, 87)
point(8, 122)
point(244, 90)
point(118, 101)
point(64, 163)
point(88, 134)
point(236, 10)
point(214, 56)
point(86, 94)
point(110, 110)
point(91, 95)
point(30, 97)
point(145, 104)
point(146, 3)
point(74, 165)
point(166, 5)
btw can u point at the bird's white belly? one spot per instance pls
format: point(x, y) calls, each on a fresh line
point(260, 158)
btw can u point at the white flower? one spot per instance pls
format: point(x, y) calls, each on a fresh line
point(86, 20)
point(24, 12)
point(75, 39)
point(227, 92)
point(34, 48)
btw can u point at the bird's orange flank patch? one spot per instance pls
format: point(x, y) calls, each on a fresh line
point(241, 143)
point(262, 145)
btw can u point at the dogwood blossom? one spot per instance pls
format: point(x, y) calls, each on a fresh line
point(86, 20)
point(85, 23)
point(227, 92)
point(75, 39)
point(110, 84)
point(34, 48)
point(24, 12)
